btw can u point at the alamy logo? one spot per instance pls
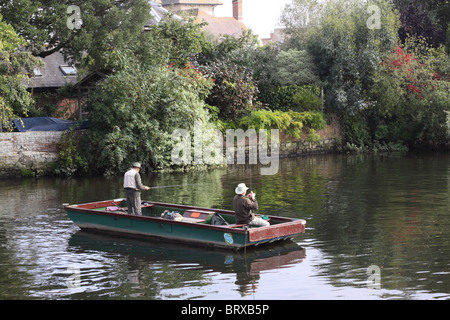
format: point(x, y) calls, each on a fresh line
point(374, 21)
point(374, 279)
point(74, 21)
point(74, 279)
point(207, 147)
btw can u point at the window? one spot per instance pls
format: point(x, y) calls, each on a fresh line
point(37, 72)
point(68, 70)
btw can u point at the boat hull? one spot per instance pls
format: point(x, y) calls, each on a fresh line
point(95, 217)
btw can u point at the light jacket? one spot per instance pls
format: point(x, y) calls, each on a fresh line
point(132, 180)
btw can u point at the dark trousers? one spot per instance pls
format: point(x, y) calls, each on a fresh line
point(134, 201)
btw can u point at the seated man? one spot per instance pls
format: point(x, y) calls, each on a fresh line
point(244, 206)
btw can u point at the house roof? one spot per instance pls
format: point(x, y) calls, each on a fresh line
point(219, 26)
point(192, 2)
point(52, 74)
point(158, 14)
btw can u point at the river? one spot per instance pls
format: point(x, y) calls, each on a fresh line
point(377, 228)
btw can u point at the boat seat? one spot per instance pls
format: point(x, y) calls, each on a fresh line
point(233, 225)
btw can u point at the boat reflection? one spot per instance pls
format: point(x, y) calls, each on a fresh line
point(246, 266)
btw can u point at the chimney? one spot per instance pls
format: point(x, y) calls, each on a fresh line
point(237, 10)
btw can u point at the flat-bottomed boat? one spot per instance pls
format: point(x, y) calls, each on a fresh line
point(181, 223)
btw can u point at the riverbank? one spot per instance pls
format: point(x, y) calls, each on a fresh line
point(34, 153)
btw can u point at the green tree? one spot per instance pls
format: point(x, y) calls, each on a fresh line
point(242, 53)
point(145, 98)
point(15, 100)
point(300, 18)
point(438, 10)
point(347, 50)
point(53, 25)
point(234, 90)
point(136, 110)
point(296, 67)
point(183, 40)
point(412, 88)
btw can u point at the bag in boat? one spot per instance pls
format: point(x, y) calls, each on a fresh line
point(218, 220)
point(171, 215)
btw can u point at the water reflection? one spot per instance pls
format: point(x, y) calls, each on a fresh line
point(389, 211)
point(153, 268)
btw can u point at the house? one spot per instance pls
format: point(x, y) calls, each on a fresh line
point(55, 73)
point(186, 5)
point(158, 13)
point(277, 35)
point(203, 11)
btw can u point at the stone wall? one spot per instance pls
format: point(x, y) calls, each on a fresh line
point(328, 142)
point(27, 151)
point(34, 151)
point(292, 147)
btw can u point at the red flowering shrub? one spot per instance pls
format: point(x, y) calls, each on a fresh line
point(412, 92)
point(405, 64)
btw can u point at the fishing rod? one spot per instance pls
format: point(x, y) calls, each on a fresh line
point(175, 185)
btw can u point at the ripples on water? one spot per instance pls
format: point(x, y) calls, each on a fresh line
point(391, 212)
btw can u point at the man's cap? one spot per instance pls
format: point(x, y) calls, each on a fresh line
point(136, 165)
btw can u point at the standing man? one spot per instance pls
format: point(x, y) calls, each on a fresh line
point(244, 206)
point(133, 186)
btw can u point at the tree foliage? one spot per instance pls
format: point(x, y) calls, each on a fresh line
point(139, 105)
point(413, 86)
point(296, 67)
point(15, 100)
point(233, 92)
point(415, 22)
point(44, 25)
point(347, 51)
point(300, 18)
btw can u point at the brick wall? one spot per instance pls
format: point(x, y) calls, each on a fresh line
point(33, 150)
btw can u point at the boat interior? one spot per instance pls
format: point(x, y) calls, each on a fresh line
point(179, 212)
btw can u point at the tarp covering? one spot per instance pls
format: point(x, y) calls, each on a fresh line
point(45, 124)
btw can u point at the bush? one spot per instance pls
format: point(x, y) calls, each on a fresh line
point(137, 108)
point(306, 100)
point(233, 92)
point(412, 90)
point(292, 97)
point(70, 160)
point(290, 122)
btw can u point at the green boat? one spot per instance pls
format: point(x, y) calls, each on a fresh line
point(179, 223)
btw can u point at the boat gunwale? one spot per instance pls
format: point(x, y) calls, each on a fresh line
point(235, 228)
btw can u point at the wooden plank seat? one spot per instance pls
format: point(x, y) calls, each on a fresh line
point(232, 225)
